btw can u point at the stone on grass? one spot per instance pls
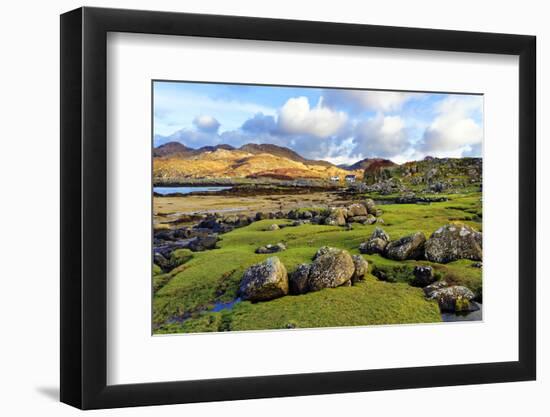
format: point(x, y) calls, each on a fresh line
point(264, 281)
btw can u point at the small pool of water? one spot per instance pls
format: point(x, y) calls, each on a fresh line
point(471, 316)
point(219, 306)
point(187, 190)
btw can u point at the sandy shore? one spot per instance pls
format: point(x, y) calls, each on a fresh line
point(169, 208)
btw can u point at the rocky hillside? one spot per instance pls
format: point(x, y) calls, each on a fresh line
point(179, 163)
point(429, 174)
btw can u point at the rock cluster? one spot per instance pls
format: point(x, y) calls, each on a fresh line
point(330, 268)
point(448, 243)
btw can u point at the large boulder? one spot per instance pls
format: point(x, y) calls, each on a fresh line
point(264, 281)
point(361, 268)
point(273, 227)
point(454, 299)
point(298, 280)
point(408, 247)
point(377, 242)
point(336, 217)
point(269, 248)
point(332, 269)
point(357, 210)
point(452, 242)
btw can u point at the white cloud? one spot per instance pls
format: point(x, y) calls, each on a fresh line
point(455, 130)
point(206, 123)
point(381, 136)
point(296, 117)
point(379, 101)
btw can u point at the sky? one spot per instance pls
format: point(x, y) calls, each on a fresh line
point(338, 125)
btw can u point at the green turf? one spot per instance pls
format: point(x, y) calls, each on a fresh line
point(207, 277)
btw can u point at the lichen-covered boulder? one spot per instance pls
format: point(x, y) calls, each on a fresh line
point(361, 268)
point(264, 281)
point(273, 227)
point(298, 280)
point(373, 246)
point(269, 248)
point(452, 242)
point(408, 247)
point(331, 269)
point(430, 289)
point(371, 206)
point(357, 210)
point(454, 299)
point(423, 276)
point(376, 244)
point(336, 217)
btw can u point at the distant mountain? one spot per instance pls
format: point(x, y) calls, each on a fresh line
point(249, 161)
point(170, 149)
point(275, 150)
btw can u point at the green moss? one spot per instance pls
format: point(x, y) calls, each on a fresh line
point(210, 276)
point(156, 270)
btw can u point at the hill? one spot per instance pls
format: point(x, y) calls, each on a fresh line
point(249, 161)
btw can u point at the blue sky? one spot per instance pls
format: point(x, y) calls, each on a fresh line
point(338, 125)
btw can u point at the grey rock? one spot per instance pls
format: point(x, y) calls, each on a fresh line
point(361, 268)
point(279, 247)
point(264, 281)
point(454, 299)
point(423, 276)
point(298, 280)
point(452, 242)
point(408, 247)
point(330, 270)
point(202, 243)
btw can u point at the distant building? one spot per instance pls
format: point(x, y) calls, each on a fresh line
point(335, 178)
point(350, 178)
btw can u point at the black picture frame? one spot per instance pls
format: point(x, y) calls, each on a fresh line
point(84, 207)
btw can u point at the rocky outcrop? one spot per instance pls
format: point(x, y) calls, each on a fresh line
point(264, 281)
point(408, 247)
point(452, 242)
point(269, 248)
point(361, 268)
point(376, 244)
point(331, 269)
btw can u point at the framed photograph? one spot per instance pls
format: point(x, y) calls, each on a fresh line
point(257, 208)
